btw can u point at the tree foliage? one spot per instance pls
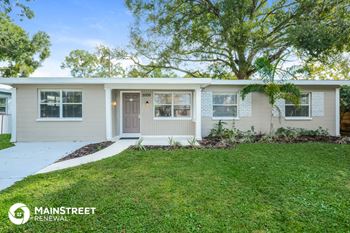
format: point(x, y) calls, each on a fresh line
point(106, 62)
point(345, 99)
point(273, 89)
point(337, 68)
point(19, 7)
point(20, 53)
point(223, 38)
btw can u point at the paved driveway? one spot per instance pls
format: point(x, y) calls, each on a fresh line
point(25, 159)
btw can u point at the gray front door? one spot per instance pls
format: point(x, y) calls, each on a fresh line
point(131, 112)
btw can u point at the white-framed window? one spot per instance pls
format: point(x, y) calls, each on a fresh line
point(3, 105)
point(302, 111)
point(60, 104)
point(170, 105)
point(225, 105)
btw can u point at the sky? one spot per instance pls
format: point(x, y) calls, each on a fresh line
point(77, 24)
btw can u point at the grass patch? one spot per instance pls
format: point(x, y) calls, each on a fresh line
point(253, 188)
point(5, 141)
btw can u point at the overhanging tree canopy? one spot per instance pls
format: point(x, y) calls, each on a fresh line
point(20, 53)
point(223, 38)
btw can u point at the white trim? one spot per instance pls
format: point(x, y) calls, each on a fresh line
point(298, 118)
point(337, 112)
point(151, 82)
point(128, 81)
point(225, 117)
point(159, 87)
point(309, 117)
point(121, 133)
point(130, 135)
point(172, 118)
point(166, 136)
point(296, 82)
point(108, 109)
point(6, 104)
point(59, 119)
point(14, 115)
point(198, 105)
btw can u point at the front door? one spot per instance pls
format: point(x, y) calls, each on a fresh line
point(131, 112)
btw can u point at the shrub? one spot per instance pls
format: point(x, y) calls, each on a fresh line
point(192, 142)
point(219, 131)
point(139, 145)
point(173, 143)
point(290, 132)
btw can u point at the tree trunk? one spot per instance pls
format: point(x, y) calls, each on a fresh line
point(271, 122)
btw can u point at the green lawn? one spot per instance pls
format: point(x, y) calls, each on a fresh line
point(5, 141)
point(253, 188)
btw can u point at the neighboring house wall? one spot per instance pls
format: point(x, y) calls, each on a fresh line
point(91, 128)
point(5, 117)
point(148, 125)
point(257, 112)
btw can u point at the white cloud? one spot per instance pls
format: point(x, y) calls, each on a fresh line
point(84, 42)
point(51, 68)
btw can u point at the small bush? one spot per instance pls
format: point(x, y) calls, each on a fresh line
point(192, 142)
point(343, 140)
point(139, 145)
point(173, 143)
point(290, 132)
point(219, 131)
point(267, 139)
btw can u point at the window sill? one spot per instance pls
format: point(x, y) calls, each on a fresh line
point(59, 119)
point(298, 118)
point(224, 118)
point(172, 119)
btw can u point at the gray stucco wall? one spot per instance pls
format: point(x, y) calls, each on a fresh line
point(91, 128)
point(148, 125)
point(261, 111)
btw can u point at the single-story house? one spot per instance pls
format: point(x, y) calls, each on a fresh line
point(97, 109)
point(5, 109)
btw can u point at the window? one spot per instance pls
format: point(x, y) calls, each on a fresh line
point(3, 105)
point(298, 111)
point(172, 105)
point(60, 104)
point(224, 105)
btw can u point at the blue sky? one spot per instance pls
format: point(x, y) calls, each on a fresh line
point(77, 24)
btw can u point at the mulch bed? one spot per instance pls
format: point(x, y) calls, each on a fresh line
point(221, 143)
point(164, 147)
point(86, 150)
point(224, 144)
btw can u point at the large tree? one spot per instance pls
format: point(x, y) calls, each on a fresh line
point(223, 38)
point(337, 68)
point(274, 87)
point(20, 53)
point(107, 62)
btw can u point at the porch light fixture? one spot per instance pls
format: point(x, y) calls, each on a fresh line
point(114, 103)
point(147, 102)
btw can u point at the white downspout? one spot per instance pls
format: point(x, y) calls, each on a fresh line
point(108, 101)
point(337, 112)
point(198, 113)
point(13, 115)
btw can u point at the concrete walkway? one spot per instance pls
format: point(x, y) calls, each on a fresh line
point(112, 150)
point(25, 159)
